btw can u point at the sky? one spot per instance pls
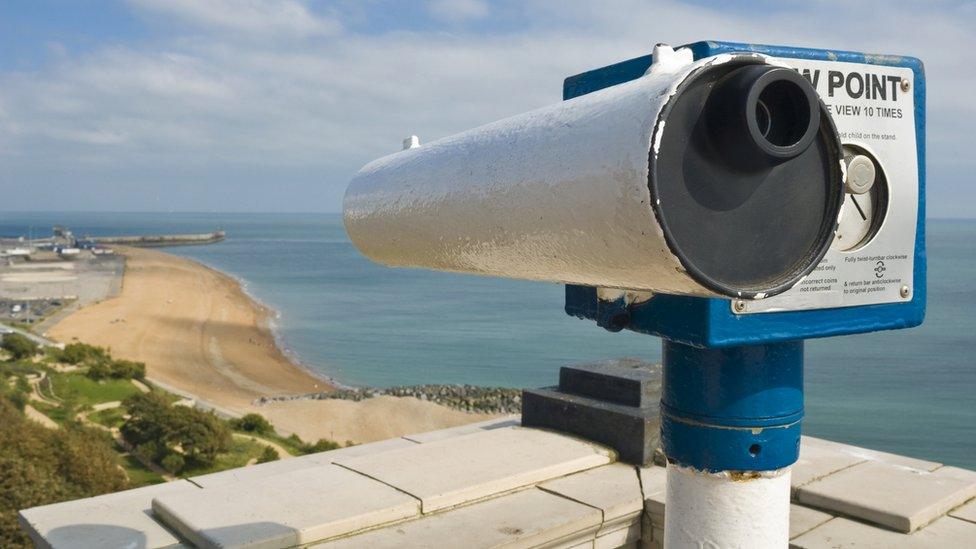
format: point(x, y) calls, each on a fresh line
point(273, 105)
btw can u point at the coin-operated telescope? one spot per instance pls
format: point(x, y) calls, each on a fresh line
point(732, 199)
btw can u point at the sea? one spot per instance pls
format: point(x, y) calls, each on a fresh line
point(912, 392)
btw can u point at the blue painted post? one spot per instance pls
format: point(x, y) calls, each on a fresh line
point(730, 427)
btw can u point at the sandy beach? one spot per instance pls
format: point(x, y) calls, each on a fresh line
point(199, 332)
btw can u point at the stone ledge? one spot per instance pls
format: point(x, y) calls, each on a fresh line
point(122, 519)
point(298, 463)
point(613, 489)
point(965, 512)
point(566, 473)
point(461, 469)
point(528, 518)
point(284, 510)
point(442, 434)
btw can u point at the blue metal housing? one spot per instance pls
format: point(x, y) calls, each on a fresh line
point(732, 409)
point(707, 322)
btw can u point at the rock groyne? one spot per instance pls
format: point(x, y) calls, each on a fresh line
point(467, 398)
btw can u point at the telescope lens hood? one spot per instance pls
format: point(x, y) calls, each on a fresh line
point(747, 182)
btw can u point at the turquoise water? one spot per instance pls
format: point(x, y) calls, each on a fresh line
point(911, 392)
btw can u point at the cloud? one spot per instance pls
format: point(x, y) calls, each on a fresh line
point(236, 122)
point(457, 11)
point(256, 17)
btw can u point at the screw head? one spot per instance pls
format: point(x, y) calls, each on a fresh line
point(739, 305)
point(905, 291)
point(905, 85)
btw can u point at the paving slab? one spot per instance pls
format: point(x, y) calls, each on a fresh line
point(527, 518)
point(817, 460)
point(441, 434)
point(873, 455)
point(613, 489)
point(465, 468)
point(122, 519)
point(898, 497)
point(803, 519)
point(254, 472)
point(843, 533)
point(965, 512)
point(284, 510)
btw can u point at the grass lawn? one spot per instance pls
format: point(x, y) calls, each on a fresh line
point(241, 452)
point(138, 474)
point(61, 414)
point(109, 418)
point(84, 390)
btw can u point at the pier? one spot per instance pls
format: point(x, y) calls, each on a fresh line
point(156, 241)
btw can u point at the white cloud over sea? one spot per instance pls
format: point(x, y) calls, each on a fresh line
point(263, 105)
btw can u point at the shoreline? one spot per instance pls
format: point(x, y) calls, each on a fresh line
point(272, 316)
point(200, 331)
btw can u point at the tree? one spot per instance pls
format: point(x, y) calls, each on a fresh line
point(19, 346)
point(201, 435)
point(147, 418)
point(252, 423)
point(159, 430)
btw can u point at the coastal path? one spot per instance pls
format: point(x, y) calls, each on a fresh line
point(34, 414)
point(42, 341)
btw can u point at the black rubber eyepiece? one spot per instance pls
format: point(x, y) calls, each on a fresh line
point(761, 115)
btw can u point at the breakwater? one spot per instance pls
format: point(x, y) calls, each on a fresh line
point(155, 241)
point(467, 398)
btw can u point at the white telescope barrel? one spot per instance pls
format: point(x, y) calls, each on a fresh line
point(720, 177)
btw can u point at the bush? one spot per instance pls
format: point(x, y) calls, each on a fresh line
point(22, 385)
point(99, 370)
point(158, 430)
point(128, 369)
point(174, 463)
point(252, 423)
point(40, 466)
point(117, 369)
point(268, 454)
point(19, 400)
point(77, 353)
point(19, 346)
point(323, 445)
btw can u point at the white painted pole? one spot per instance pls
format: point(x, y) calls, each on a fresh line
point(727, 510)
